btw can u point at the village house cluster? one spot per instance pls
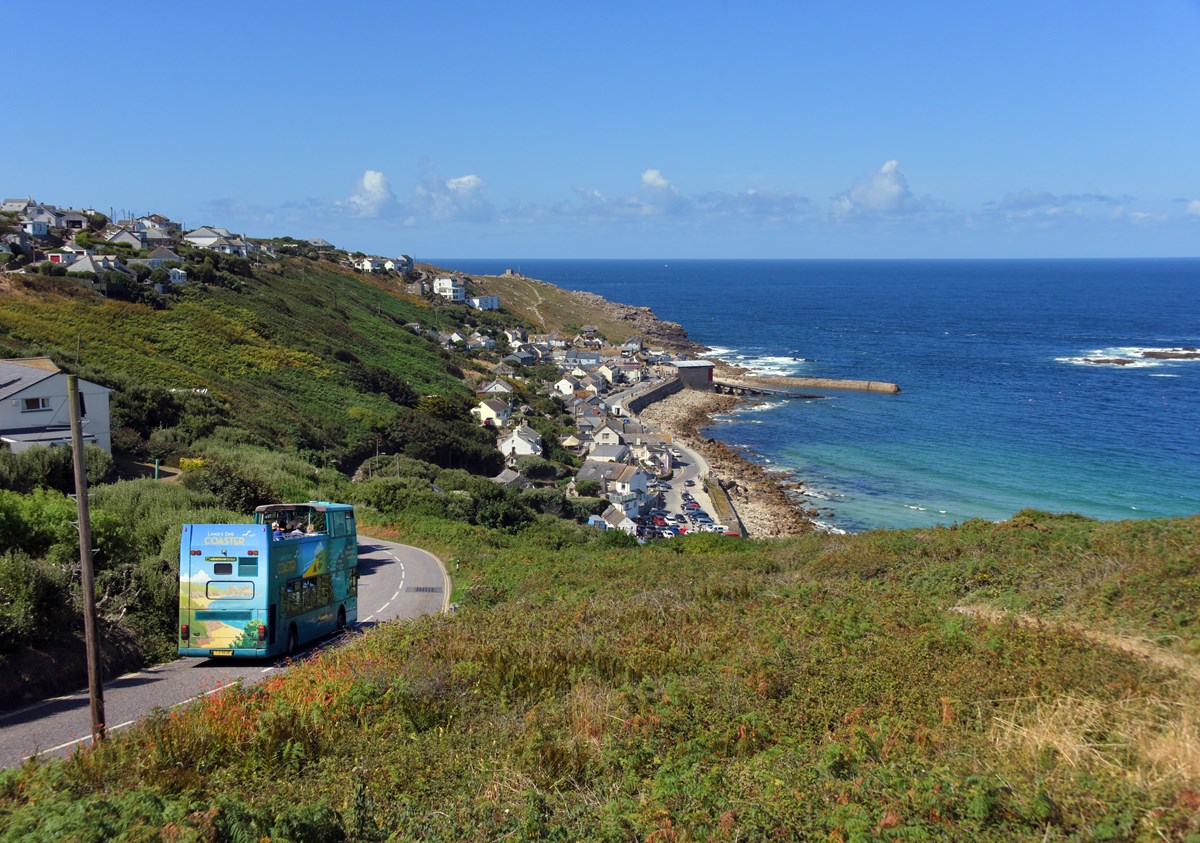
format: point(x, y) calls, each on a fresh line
point(624, 461)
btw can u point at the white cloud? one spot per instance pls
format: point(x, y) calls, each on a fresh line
point(372, 196)
point(884, 192)
point(459, 198)
point(1193, 207)
point(654, 180)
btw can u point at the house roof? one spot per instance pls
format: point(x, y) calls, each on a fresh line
point(611, 453)
point(17, 375)
point(495, 405)
point(162, 253)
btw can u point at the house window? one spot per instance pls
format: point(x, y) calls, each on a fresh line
point(31, 405)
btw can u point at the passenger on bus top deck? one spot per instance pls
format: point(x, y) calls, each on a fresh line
point(311, 529)
point(276, 531)
point(295, 532)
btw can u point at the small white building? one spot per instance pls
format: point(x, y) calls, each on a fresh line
point(492, 411)
point(521, 441)
point(484, 302)
point(34, 408)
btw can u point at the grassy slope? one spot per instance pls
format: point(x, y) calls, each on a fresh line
point(814, 688)
point(267, 350)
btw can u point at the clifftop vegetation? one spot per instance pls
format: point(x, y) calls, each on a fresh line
point(1034, 679)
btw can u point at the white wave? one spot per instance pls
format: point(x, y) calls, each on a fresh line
point(719, 351)
point(1164, 375)
point(829, 528)
point(774, 366)
point(1110, 361)
point(1133, 357)
point(759, 408)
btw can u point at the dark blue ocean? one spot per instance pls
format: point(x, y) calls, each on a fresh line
point(1000, 408)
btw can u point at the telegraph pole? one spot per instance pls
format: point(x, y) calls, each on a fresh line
point(88, 584)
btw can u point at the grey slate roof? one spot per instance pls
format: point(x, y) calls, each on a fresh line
point(18, 375)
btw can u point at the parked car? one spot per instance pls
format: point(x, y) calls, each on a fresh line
point(689, 482)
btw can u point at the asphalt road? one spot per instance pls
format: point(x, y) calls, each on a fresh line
point(395, 581)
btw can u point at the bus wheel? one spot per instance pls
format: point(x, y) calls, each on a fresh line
point(341, 618)
point(293, 640)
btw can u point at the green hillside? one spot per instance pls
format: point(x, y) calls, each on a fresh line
point(1029, 680)
point(295, 354)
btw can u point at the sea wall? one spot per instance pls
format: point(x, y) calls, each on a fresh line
point(642, 400)
point(817, 383)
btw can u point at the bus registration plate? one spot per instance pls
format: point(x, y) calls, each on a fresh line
point(220, 652)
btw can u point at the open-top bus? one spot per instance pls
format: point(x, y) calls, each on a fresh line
point(250, 590)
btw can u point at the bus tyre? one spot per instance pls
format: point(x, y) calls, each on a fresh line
point(341, 622)
point(293, 641)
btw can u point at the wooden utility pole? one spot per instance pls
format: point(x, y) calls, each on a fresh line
point(87, 581)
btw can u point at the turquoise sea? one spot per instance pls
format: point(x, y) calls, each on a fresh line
point(1024, 381)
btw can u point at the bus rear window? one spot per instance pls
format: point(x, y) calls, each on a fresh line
point(229, 590)
point(222, 569)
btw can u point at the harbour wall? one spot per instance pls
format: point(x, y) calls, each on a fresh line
point(817, 383)
point(642, 400)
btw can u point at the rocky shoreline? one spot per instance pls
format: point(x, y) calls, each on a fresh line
point(760, 496)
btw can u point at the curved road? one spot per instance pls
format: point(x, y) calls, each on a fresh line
point(395, 581)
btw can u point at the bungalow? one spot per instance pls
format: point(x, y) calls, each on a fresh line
point(34, 408)
point(16, 206)
point(614, 518)
point(320, 243)
point(206, 235)
point(370, 264)
point(503, 370)
point(493, 412)
point(124, 235)
point(608, 453)
point(521, 357)
point(99, 264)
point(484, 302)
point(522, 441)
point(566, 386)
point(177, 275)
point(158, 257)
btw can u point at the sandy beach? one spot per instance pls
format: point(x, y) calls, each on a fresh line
point(759, 496)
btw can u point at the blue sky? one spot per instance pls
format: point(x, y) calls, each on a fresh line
point(1056, 128)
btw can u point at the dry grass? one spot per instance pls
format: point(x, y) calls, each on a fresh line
point(1158, 738)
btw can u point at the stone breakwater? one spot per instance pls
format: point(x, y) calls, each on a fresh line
point(816, 383)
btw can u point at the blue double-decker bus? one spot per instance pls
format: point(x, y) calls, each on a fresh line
point(262, 589)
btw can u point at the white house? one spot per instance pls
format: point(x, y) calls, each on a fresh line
point(484, 302)
point(522, 441)
point(492, 411)
point(34, 408)
point(371, 264)
point(450, 289)
point(178, 276)
point(566, 386)
point(206, 235)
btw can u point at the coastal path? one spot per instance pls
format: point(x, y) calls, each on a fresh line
point(396, 581)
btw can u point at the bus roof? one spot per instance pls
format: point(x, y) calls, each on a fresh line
point(318, 506)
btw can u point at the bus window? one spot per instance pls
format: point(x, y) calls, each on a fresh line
point(222, 569)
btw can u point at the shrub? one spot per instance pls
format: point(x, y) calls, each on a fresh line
point(35, 598)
